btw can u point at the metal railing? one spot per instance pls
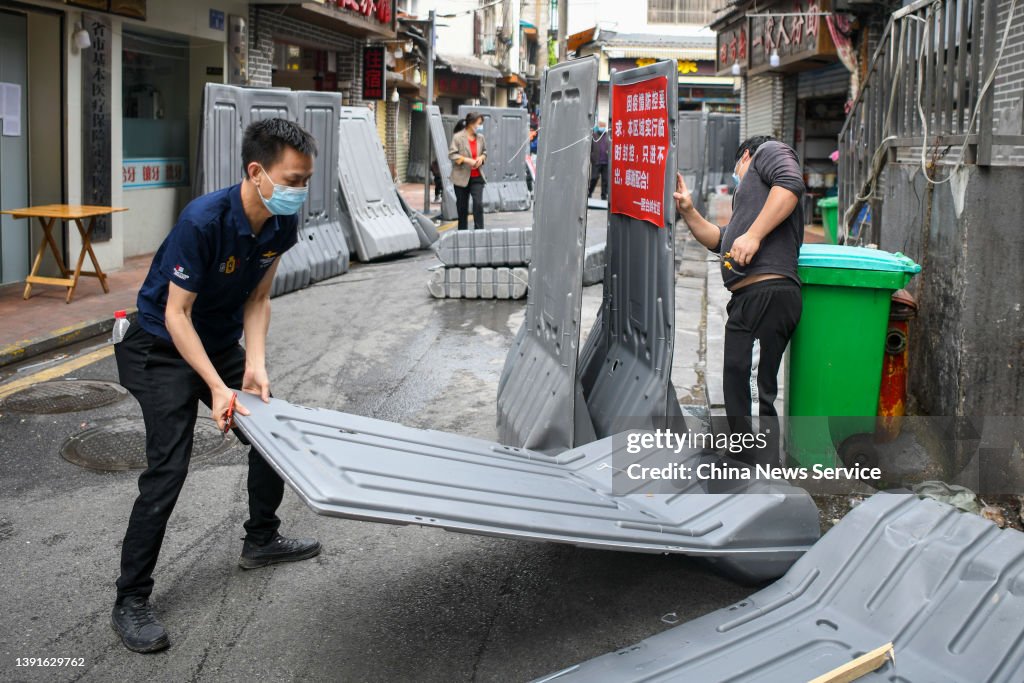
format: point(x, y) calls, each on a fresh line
point(925, 91)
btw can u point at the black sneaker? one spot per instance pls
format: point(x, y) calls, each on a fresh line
point(140, 631)
point(279, 549)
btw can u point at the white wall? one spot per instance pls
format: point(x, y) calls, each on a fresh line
point(455, 37)
point(623, 16)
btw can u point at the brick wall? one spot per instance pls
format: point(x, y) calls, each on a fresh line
point(1008, 86)
point(265, 26)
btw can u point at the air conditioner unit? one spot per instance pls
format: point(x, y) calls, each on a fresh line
point(531, 70)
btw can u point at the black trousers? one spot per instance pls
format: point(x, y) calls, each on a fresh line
point(168, 389)
point(475, 189)
point(761, 321)
point(599, 171)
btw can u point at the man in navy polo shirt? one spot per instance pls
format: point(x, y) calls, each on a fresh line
point(209, 282)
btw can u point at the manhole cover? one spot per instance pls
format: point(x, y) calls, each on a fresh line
point(64, 396)
point(120, 444)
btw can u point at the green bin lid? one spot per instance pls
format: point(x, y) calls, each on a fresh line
point(855, 258)
point(828, 202)
point(836, 265)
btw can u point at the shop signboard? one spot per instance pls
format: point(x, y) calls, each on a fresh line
point(374, 67)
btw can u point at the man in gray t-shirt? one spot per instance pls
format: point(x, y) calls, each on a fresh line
point(759, 249)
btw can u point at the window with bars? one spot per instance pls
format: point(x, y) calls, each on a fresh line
point(681, 11)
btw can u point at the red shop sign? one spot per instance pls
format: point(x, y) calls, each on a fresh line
point(374, 73)
point(640, 146)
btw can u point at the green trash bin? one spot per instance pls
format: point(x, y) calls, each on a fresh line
point(834, 364)
point(829, 207)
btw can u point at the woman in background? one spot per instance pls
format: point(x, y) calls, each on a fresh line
point(468, 153)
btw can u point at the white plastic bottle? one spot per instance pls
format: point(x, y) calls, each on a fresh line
point(120, 325)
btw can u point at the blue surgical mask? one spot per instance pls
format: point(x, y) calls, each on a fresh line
point(285, 200)
point(480, 128)
point(736, 178)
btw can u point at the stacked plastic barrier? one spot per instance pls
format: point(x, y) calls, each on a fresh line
point(941, 585)
point(507, 132)
point(482, 264)
point(322, 250)
point(497, 247)
point(379, 225)
point(478, 283)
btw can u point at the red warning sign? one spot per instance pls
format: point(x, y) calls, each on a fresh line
point(640, 145)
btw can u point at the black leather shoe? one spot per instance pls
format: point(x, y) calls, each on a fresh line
point(140, 631)
point(279, 549)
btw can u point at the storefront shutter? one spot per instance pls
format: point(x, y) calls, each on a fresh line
point(830, 80)
point(758, 105)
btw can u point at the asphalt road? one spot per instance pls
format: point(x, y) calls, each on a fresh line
point(382, 603)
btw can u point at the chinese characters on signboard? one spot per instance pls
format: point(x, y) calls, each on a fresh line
point(640, 148)
point(374, 68)
point(144, 173)
point(457, 85)
point(796, 34)
point(96, 161)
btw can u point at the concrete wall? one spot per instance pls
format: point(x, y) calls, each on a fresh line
point(967, 348)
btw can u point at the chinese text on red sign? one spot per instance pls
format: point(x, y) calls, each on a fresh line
point(640, 147)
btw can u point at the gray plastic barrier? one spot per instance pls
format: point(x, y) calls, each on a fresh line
point(226, 112)
point(723, 139)
point(379, 224)
point(478, 283)
point(691, 153)
point(594, 260)
point(425, 228)
point(448, 122)
point(507, 132)
point(439, 144)
point(631, 377)
point(540, 399)
point(496, 247)
point(321, 225)
point(941, 585)
point(418, 168)
point(362, 468)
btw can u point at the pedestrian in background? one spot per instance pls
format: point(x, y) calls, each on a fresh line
point(468, 153)
point(600, 153)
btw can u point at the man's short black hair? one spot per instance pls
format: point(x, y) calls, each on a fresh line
point(752, 143)
point(264, 142)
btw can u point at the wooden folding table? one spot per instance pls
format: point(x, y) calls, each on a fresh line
point(50, 214)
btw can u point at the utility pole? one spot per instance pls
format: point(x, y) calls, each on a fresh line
point(563, 30)
point(427, 175)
